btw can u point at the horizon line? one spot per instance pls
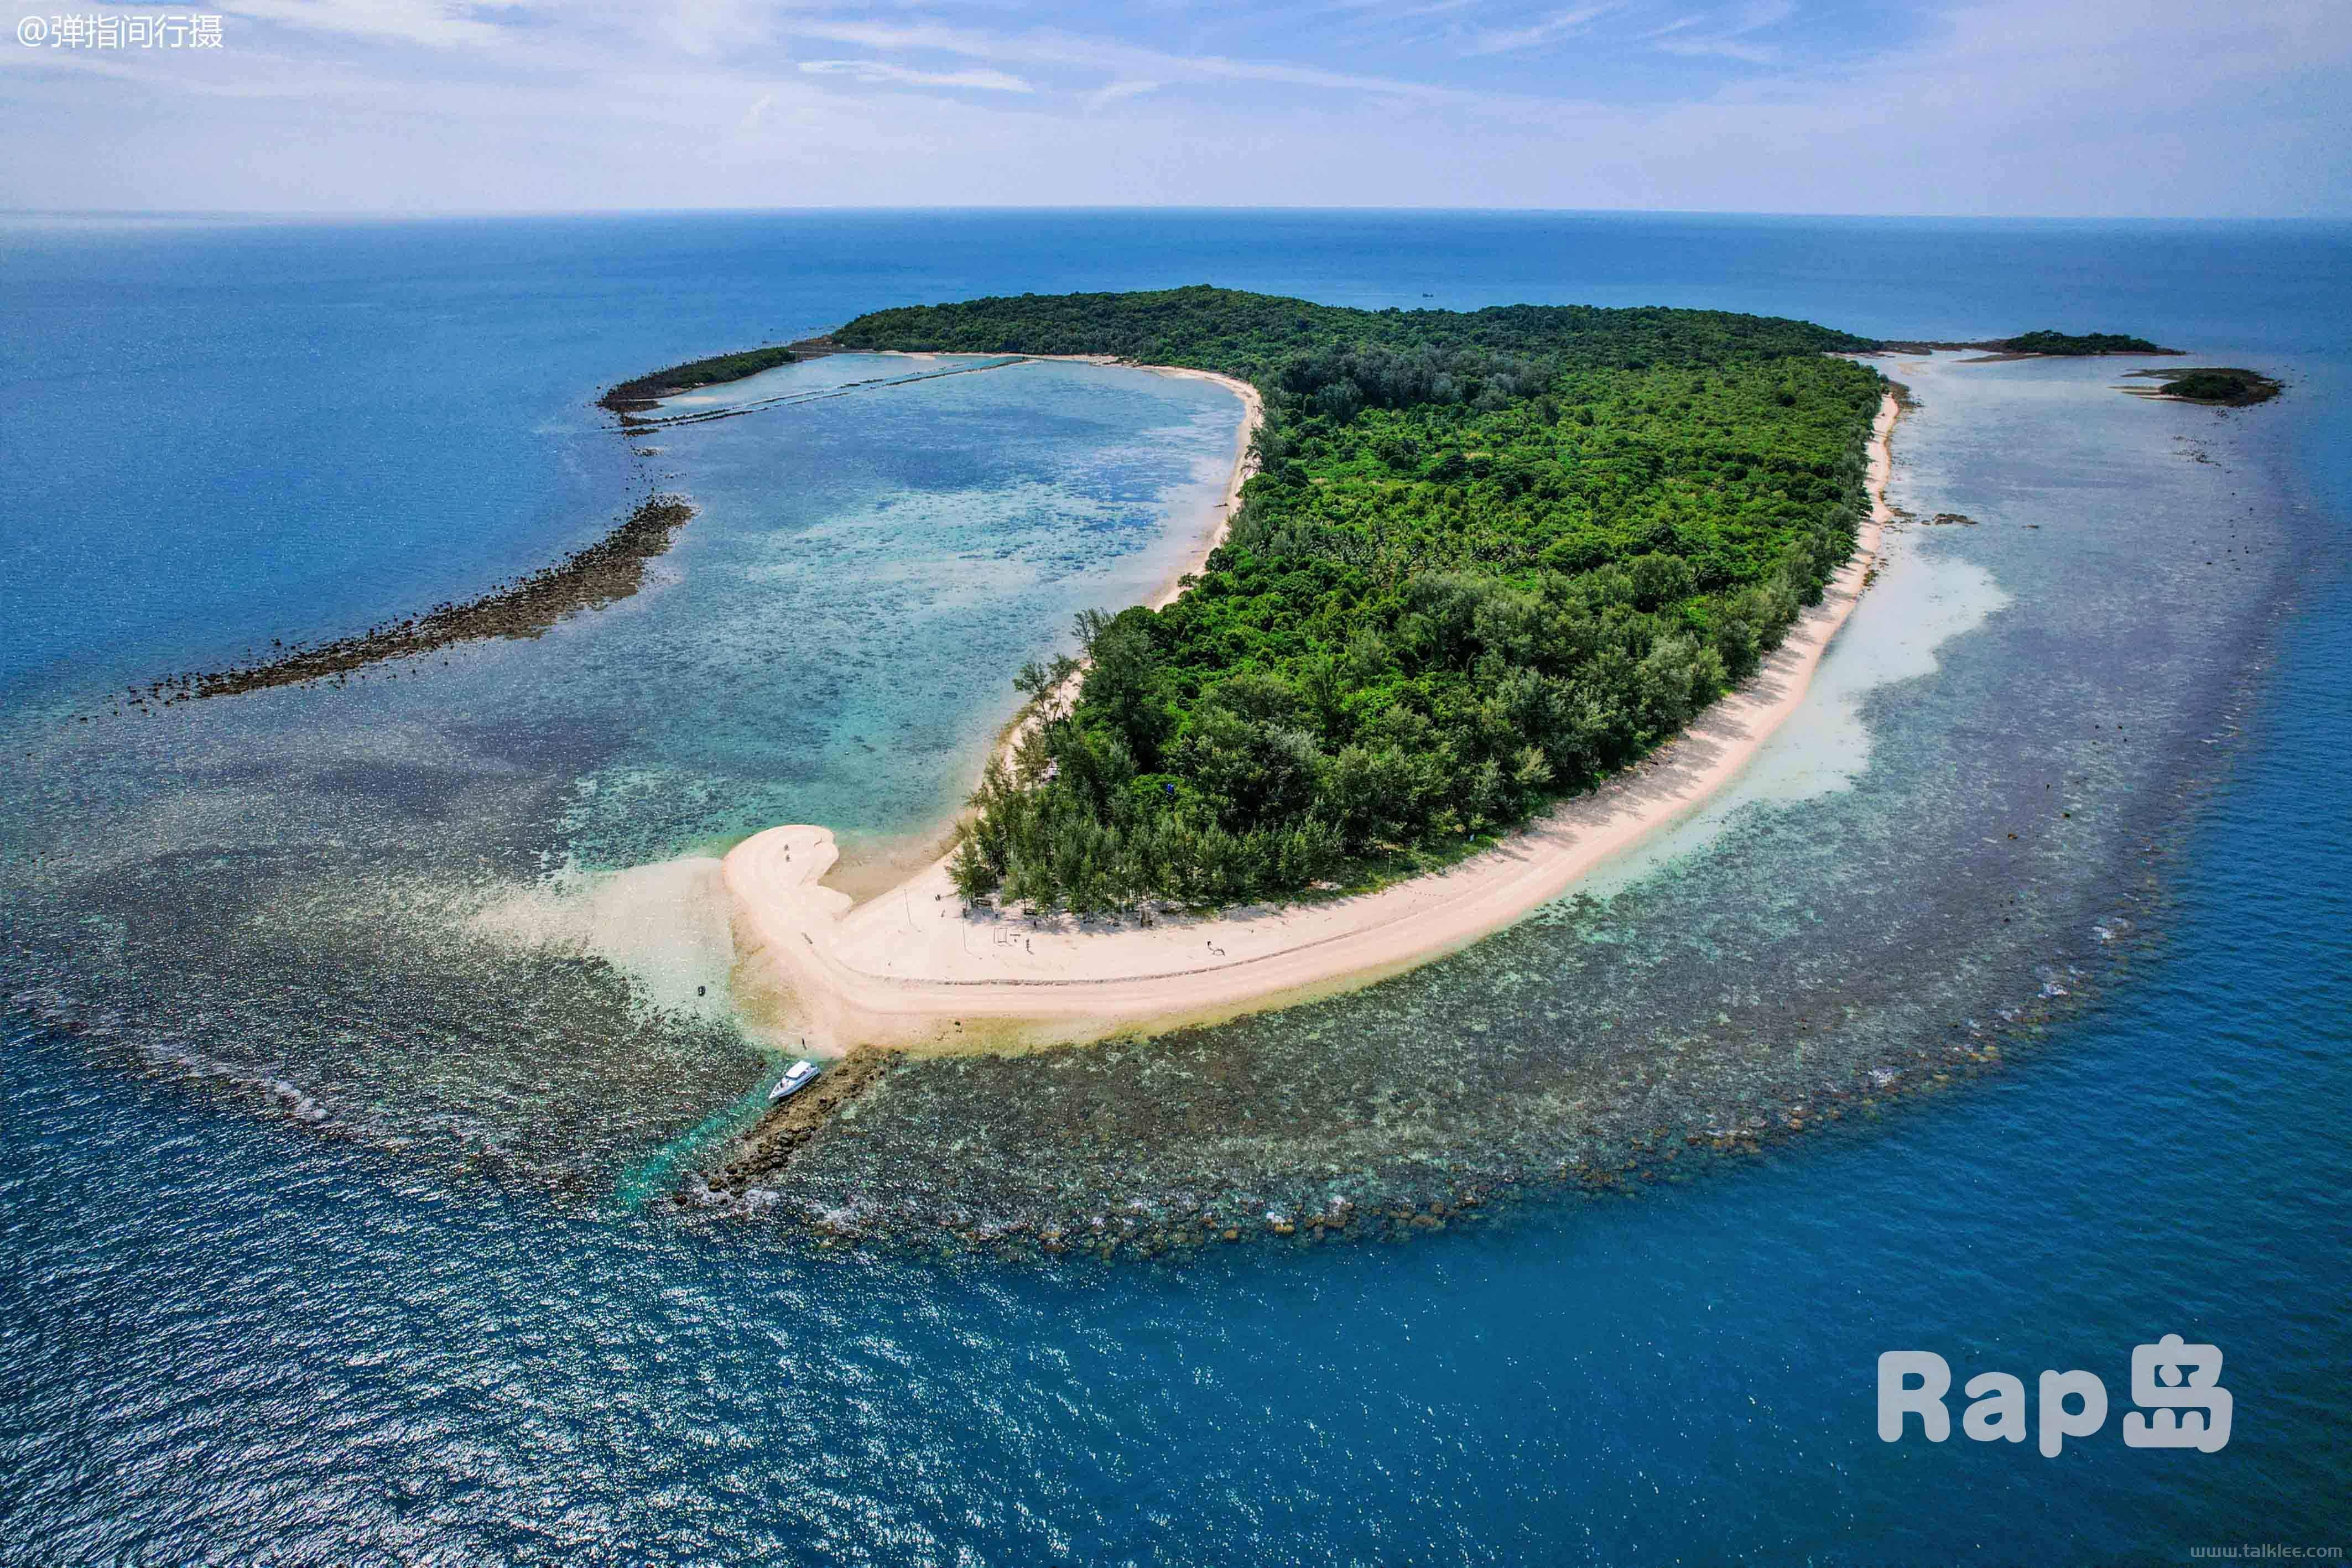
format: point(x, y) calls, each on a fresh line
point(358, 214)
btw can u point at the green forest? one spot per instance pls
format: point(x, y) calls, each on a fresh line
point(1487, 558)
point(2048, 340)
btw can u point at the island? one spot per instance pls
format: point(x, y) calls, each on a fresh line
point(641, 392)
point(1495, 594)
point(2045, 342)
point(1486, 560)
point(2216, 386)
point(2048, 340)
point(1485, 570)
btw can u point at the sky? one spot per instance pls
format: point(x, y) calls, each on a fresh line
point(1998, 108)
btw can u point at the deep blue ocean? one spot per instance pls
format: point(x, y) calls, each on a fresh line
point(320, 1210)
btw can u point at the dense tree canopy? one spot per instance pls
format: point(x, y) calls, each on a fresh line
point(2222, 384)
point(1487, 558)
point(641, 391)
point(1250, 335)
point(2048, 340)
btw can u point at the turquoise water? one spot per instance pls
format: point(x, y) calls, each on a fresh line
point(864, 572)
point(309, 1202)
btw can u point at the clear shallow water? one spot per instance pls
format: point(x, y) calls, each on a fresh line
point(867, 571)
point(223, 1332)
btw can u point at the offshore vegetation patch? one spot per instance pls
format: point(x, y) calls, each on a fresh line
point(634, 396)
point(2048, 343)
point(2215, 386)
point(612, 569)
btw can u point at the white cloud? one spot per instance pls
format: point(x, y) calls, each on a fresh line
point(1548, 30)
point(433, 22)
point(713, 29)
point(882, 73)
point(1065, 51)
point(1412, 8)
point(1987, 106)
point(1104, 96)
point(1729, 41)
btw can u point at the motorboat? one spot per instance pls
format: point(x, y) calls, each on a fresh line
point(797, 1077)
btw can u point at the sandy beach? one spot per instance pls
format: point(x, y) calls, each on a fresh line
point(910, 969)
point(1253, 416)
point(867, 873)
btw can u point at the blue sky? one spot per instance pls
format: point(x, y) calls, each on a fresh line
point(2190, 108)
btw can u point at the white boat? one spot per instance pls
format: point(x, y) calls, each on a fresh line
point(794, 1080)
point(797, 1077)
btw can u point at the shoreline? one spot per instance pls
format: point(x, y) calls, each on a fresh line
point(1253, 417)
point(911, 970)
point(1173, 589)
point(871, 876)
